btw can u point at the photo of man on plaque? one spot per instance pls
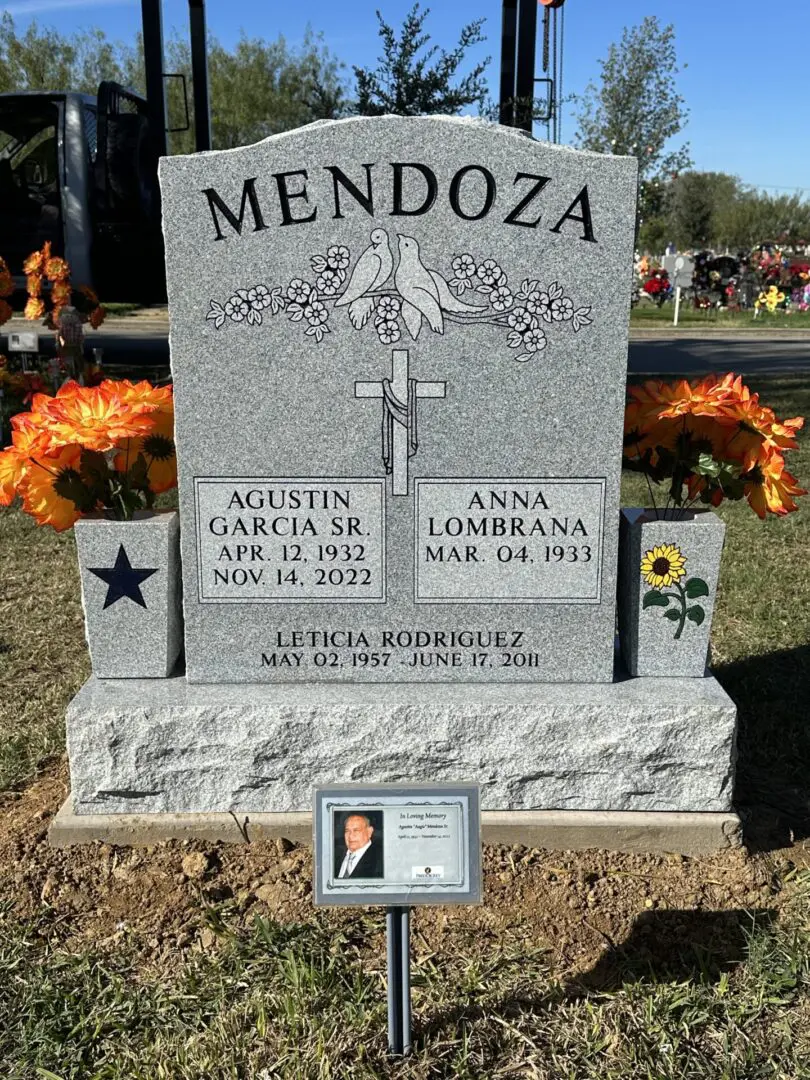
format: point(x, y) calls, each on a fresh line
point(358, 844)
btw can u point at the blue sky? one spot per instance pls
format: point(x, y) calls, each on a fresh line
point(745, 82)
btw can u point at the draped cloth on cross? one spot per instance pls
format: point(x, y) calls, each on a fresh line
point(394, 411)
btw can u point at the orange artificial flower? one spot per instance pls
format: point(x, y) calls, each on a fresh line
point(5, 312)
point(28, 436)
point(92, 416)
point(749, 424)
point(33, 284)
point(6, 280)
point(783, 433)
point(60, 293)
point(97, 316)
point(651, 398)
point(56, 269)
point(770, 487)
point(34, 309)
point(40, 497)
point(141, 393)
point(28, 442)
point(11, 474)
point(697, 398)
point(36, 260)
point(88, 293)
point(703, 433)
point(157, 446)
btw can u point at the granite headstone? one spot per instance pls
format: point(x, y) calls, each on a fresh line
point(399, 349)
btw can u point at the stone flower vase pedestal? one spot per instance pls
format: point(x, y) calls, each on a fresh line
point(668, 574)
point(131, 593)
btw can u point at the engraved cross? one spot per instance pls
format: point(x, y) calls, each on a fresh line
point(399, 396)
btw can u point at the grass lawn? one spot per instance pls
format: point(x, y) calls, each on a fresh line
point(646, 314)
point(115, 310)
point(303, 996)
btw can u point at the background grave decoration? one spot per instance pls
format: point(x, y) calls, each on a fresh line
point(765, 280)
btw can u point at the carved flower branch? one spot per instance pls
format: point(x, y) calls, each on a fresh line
point(526, 315)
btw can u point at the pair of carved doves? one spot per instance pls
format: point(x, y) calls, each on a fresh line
point(424, 292)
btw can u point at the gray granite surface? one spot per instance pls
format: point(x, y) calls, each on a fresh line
point(440, 297)
point(171, 746)
point(671, 635)
point(132, 602)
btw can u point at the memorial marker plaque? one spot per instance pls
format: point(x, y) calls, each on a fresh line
point(399, 349)
point(397, 844)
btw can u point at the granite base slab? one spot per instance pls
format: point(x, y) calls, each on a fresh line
point(561, 830)
point(166, 746)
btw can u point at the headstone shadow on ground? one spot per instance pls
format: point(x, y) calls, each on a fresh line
point(674, 946)
point(772, 793)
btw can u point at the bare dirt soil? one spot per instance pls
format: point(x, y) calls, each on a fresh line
point(577, 907)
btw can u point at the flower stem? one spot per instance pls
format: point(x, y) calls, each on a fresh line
point(682, 620)
point(647, 478)
point(43, 467)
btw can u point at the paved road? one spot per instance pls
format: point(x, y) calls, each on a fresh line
point(143, 345)
point(697, 355)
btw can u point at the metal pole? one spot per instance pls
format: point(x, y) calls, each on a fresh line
point(199, 75)
point(508, 45)
point(397, 927)
point(677, 304)
point(393, 943)
point(524, 66)
point(153, 65)
point(405, 957)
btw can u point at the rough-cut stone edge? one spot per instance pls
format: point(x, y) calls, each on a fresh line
point(563, 830)
point(468, 122)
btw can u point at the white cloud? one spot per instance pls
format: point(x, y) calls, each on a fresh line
point(37, 7)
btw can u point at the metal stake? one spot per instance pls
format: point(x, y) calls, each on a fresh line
point(397, 926)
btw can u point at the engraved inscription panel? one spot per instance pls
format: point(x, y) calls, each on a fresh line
point(263, 540)
point(509, 541)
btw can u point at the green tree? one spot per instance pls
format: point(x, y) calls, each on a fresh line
point(755, 216)
point(695, 204)
point(636, 108)
point(410, 82)
point(258, 89)
point(43, 59)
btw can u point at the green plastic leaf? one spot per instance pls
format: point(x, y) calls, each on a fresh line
point(696, 614)
point(707, 466)
point(138, 475)
point(68, 484)
point(733, 487)
point(696, 587)
point(673, 614)
point(654, 599)
point(93, 468)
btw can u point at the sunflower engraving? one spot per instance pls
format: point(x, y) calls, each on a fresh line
point(663, 566)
